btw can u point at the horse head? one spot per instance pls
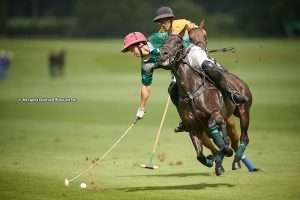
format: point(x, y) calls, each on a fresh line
point(199, 35)
point(172, 50)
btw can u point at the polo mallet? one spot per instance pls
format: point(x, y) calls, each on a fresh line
point(150, 165)
point(94, 164)
point(226, 49)
point(232, 49)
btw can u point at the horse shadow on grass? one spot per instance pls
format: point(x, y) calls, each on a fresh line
point(200, 186)
point(180, 175)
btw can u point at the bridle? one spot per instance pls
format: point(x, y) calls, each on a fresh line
point(177, 58)
point(177, 55)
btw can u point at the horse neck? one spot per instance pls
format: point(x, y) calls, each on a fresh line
point(187, 79)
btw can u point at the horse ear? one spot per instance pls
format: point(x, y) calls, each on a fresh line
point(202, 24)
point(182, 32)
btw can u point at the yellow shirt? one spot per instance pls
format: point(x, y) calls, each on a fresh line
point(179, 24)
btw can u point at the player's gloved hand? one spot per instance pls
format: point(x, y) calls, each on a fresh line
point(140, 113)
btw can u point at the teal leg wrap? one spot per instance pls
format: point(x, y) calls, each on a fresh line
point(209, 162)
point(217, 137)
point(219, 157)
point(239, 153)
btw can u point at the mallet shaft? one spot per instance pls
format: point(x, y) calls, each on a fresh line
point(106, 153)
point(160, 126)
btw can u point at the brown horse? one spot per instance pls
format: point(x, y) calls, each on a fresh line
point(201, 106)
point(200, 38)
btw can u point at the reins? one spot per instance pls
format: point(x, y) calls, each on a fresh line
point(181, 60)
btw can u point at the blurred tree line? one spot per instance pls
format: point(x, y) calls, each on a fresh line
point(115, 18)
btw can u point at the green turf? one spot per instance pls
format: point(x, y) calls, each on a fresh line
point(42, 143)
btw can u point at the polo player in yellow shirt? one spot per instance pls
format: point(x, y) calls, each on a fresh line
point(167, 22)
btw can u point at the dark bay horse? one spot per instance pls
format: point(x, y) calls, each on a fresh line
point(201, 106)
point(199, 37)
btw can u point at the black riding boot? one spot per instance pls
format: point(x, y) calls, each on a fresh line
point(218, 78)
point(173, 92)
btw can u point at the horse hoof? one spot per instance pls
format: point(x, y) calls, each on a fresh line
point(236, 165)
point(228, 152)
point(222, 168)
point(219, 171)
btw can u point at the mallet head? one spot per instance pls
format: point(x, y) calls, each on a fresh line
point(149, 166)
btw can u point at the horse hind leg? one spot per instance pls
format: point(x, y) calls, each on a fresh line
point(208, 143)
point(197, 143)
point(234, 138)
point(244, 139)
point(232, 133)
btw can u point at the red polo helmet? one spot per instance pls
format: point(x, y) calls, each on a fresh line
point(133, 38)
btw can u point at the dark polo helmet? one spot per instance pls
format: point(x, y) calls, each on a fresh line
point(163, 12)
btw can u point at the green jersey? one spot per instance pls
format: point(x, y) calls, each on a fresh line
point(155, 43)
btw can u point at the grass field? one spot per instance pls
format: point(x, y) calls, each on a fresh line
point(42, 143)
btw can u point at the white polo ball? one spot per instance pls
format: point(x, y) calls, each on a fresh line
point(67, 182)
point(83, 185)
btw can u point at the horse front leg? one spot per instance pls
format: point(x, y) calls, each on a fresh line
point(217, 127)
point(217, 156)
point(208, 143)
point(197, 143)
